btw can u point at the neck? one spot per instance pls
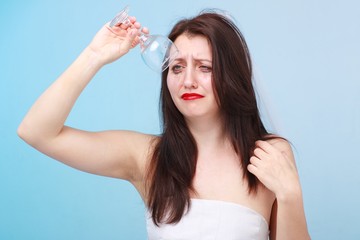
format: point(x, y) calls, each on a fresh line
point(208, 133)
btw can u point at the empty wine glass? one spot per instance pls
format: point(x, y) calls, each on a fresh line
point(157, 51)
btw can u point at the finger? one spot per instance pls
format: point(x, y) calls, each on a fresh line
point(118, 26)
point(132, 19)
point(114, 29)
point(259, 153)
point(267, 147)
point(255, 161)
point(133, 23)
point(130, 37)
point(145, 30)
point(127, 23)
point(253, 169)
point(118, 30)
point(136, 25)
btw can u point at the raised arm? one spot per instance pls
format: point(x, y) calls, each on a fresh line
point(273, 164)
point(119, 154)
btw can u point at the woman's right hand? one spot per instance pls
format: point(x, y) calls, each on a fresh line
point(110, 43)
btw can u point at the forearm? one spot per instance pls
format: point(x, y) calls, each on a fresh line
point(290, 218)
point(47, 116)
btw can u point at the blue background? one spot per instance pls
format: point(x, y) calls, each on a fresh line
point(306, 60)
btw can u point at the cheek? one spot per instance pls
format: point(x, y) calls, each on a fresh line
point(173, 85)
point(205, 79)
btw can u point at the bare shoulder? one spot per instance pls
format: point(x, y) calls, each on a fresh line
point(142, 144)
point(140, 147)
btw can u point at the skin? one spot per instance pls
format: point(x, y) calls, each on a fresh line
point(125, 154)
point(191, 73)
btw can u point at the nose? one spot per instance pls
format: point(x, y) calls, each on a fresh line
point(190, 80)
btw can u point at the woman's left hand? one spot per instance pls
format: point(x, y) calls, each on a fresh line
point(274, 165)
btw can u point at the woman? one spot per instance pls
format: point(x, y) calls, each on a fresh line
point(215, 172)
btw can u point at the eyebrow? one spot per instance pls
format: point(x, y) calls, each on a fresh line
point(196, 59)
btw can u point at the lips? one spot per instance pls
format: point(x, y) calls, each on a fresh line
point(191, 96)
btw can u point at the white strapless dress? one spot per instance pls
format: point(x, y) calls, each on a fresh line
point(213, 220)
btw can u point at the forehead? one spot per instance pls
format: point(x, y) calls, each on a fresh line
point(193, 45)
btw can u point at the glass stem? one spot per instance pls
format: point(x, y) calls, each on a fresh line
point(143, 38)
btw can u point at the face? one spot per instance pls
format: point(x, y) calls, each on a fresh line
point(190, 78)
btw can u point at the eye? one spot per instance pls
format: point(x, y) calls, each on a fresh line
point(205, 69)
point(177, 68)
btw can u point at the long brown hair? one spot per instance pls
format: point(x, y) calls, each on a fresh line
point(173, 164)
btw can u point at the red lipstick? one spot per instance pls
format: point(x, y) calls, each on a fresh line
point(191, 96)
